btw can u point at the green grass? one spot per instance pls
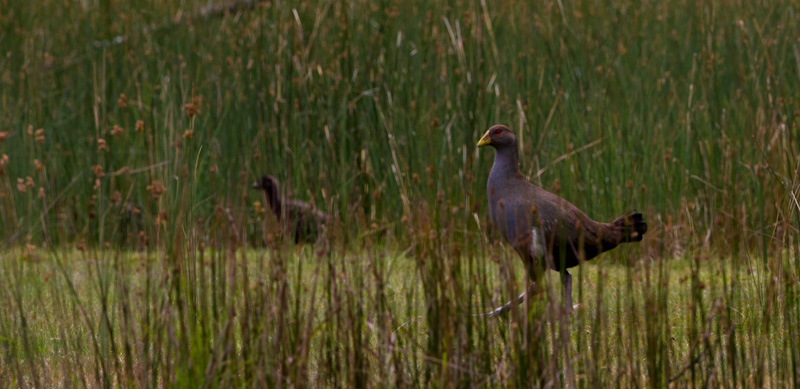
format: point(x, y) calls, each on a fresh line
point(609, 341)
point(132, 249)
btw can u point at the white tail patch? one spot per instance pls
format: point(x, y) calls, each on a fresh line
point(537, 248)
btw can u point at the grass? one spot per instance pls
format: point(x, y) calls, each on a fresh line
point(609, 341)
point(133, 251)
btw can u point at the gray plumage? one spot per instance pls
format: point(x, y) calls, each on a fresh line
point(298, 217)
point(546, 230)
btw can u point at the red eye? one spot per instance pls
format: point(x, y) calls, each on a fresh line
point(497, 132)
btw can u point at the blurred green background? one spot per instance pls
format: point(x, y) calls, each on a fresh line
point(360, 105)
point(132, 244)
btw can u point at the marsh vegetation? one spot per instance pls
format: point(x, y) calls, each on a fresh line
point(135, 253)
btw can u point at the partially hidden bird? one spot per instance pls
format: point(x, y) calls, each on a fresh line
point(299, 218)
point(547, 231)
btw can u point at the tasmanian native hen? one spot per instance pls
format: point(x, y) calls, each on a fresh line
point(297, 217)
point(546, 230)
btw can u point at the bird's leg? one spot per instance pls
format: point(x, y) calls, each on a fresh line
point(566, 280)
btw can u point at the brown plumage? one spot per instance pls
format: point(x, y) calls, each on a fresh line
point(298, 217)
point(546, 230)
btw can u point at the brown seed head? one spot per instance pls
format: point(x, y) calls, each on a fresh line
point(3, 163)
point(116, 198)
point(161, 219)
point(98, 171)
point(156, 189)
point(556, 185)
point(258, 207)
point(192, 109)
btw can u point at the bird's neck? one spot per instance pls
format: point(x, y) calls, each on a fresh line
point(274, 200)
point(506, 163)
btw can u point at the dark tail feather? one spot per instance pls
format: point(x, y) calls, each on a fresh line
point(632, 226)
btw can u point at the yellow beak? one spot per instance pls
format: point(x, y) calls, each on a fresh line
point(485, 140)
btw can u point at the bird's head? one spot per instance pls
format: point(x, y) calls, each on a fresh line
point(498, 136)
point(266, 183)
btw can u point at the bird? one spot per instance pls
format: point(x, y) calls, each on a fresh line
point(546, 230)
point(298, 217)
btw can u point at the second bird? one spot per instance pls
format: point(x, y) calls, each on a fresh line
point(297, 217)
point(546, 230)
